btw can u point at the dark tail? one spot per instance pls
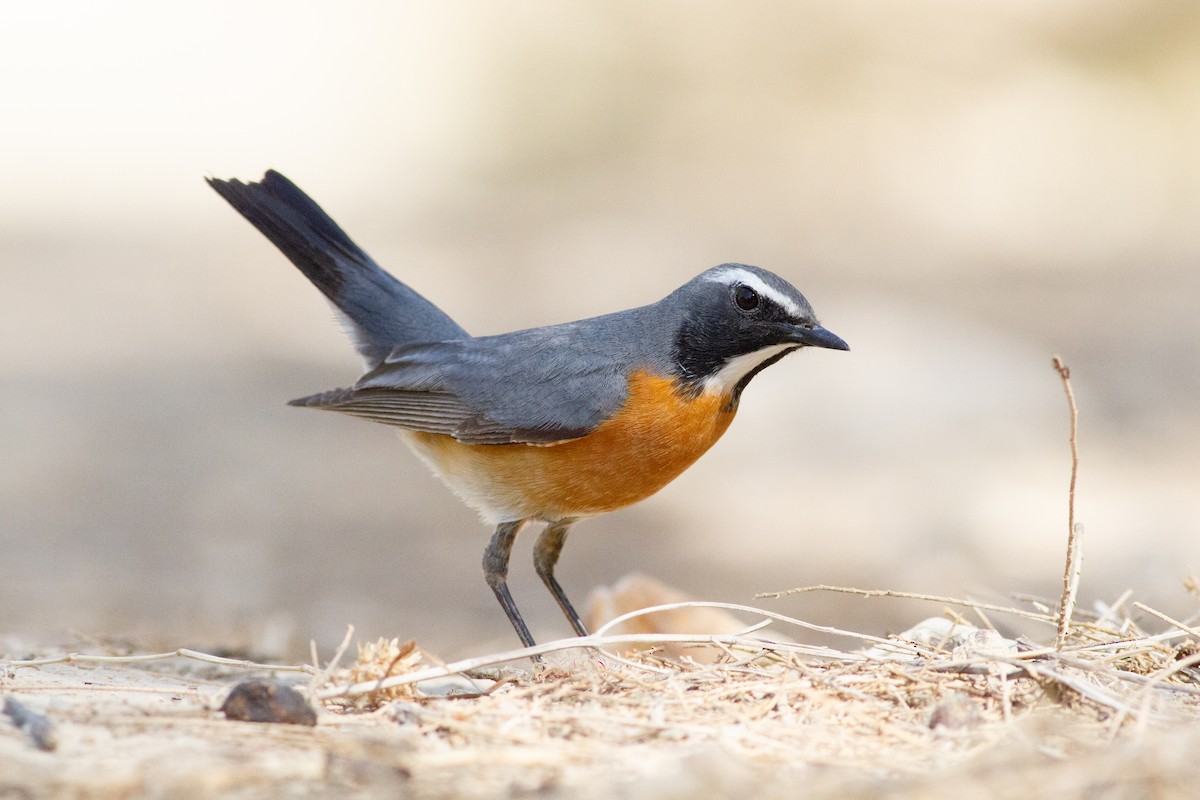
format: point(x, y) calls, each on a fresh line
point(381, 311)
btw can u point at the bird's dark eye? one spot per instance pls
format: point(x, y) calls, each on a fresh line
point(745, 297)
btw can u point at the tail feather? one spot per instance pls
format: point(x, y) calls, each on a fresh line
point(380, 311)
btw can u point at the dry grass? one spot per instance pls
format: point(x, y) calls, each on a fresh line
point(947, 711)
point(1103, 704)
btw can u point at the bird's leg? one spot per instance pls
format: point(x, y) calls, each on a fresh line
point(495, 569)
point(545, 556)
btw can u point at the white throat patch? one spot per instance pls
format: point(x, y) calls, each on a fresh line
point(732, 275)
point(727, 377)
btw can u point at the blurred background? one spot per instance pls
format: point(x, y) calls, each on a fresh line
point(961, 189)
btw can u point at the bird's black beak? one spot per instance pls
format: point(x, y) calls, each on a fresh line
point(816, 336)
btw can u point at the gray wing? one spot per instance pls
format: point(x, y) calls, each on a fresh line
point(537, 386)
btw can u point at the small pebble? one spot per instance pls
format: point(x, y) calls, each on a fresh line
point(268, 701)
point(38, 726)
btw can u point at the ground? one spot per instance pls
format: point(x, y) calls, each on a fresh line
point(945, 710)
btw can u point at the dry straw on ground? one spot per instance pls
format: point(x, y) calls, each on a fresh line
point(1100, 703)
point(1117, 710)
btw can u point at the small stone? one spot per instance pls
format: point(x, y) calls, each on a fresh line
point(268, 701)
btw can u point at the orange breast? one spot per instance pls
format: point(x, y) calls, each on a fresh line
point(656, 436)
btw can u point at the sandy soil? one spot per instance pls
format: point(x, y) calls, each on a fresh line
point(949, 711)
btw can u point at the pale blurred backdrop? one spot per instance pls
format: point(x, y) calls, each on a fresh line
point(962, 189)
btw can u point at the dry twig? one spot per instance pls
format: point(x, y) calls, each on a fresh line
point(183, 652)
point(1072, 570)
point(934, 598)
point(1169, 620)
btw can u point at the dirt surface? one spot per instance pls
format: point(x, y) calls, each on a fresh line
point(961, 190)
point(970, 714)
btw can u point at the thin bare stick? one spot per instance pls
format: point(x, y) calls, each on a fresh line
point(322, 675)
point(758, 626)
point(1170, 621)
point(183, 652)
point(1111, 611)
point(612, 623)
point(934, 598)
point(1072, 570)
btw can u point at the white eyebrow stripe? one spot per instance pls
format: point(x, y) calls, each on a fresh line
point(732, 275)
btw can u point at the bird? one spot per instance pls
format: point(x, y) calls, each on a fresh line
point(547, 425)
